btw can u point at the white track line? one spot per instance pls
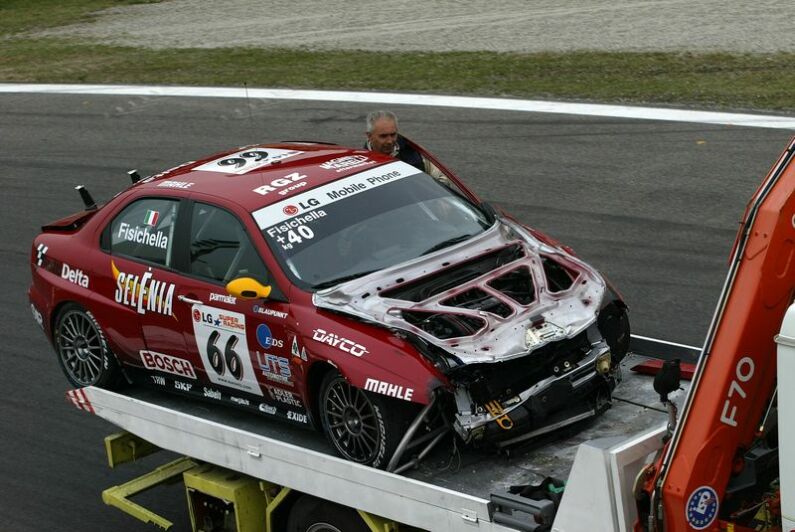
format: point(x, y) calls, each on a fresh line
point(464, 102)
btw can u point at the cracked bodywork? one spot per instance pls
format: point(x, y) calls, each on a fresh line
point(512, 321)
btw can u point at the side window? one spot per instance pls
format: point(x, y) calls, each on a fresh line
point(145, 230)
point(220, 249)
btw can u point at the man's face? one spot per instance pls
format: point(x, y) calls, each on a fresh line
point(383, 137)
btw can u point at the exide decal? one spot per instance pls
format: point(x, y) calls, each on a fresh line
point(343, 344)
point(167, 363)
point(386, 388)
point(144, 293)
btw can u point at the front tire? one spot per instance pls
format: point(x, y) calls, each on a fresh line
point(82, 351)
point(357, 423)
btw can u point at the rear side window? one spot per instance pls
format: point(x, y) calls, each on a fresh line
point(145, 230)
point(220, 249)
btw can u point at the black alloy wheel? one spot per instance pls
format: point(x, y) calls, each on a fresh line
point(82, 351)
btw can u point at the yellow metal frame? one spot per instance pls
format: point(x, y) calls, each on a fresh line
point(124, 447)
point(378, 524)
point(118, 496)
point(242, 492)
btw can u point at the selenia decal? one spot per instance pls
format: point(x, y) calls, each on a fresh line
point(221, 339)
point(144, 293)
point(247, 160)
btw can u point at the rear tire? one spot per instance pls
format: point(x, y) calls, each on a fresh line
point(360, 425)
point(310, 514)
point(82, 351)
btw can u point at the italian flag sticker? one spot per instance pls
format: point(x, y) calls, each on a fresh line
point(151, 218)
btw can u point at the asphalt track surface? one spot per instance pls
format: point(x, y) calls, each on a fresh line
point(654, 205)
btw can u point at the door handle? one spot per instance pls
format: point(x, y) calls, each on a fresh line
point(186, 299)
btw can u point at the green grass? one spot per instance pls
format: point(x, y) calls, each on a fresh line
point(711, 80)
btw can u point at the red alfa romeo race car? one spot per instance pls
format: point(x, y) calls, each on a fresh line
point(336, 288)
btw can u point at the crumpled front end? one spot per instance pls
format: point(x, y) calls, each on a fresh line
point(528, 335)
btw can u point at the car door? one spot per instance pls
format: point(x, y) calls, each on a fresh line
point(242, 344)
point(144, 252)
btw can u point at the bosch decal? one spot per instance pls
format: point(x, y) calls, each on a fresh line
point(266, 339)
point(386, 388)
point(74, 275)
point(343, 344)
point(275, 368)
point(221, 340)
point(269, 312)
point(247, 160)
point(144, 293)
point(168, 364)
point(702, 507)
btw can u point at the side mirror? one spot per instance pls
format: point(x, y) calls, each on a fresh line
point(248, 288)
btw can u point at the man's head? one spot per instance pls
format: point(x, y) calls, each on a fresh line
point(382, 131)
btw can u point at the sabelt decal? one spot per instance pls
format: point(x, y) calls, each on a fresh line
point(221, 340)
point(168, 364)
point(343, 344)
point(387, 388)
point(144, 292)
point(247, 160)
point(332, 192)
point(212, 394)
point(73, 275)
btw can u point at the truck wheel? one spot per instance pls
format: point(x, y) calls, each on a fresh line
point(357, 423)
point(82, 350)
point(310, 514)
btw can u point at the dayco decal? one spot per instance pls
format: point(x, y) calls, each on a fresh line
point(74, 275)
point(168, 364)
point(386, 388)
point(343, 344)
point(269, 312)
point(280, 183)
point(142, 236)
point(341, 164)
point(231, 300)
point(143, 293)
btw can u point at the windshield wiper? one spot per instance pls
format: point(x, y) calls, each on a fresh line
point(333, 282)
point(447, 243)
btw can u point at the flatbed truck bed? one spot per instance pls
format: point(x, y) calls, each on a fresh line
point(451, 490)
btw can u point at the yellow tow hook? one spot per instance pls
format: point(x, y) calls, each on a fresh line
point(502, 419)
point(603, 363)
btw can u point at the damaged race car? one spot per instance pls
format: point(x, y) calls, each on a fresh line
point(336, 288)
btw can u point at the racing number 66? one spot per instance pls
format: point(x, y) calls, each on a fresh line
point(229, 359)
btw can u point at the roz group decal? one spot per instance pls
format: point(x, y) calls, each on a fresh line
point(343, 344)
point(144, 293)
point(247, 160)
point(221, 340)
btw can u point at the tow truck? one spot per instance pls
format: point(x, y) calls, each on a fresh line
point(713, 464)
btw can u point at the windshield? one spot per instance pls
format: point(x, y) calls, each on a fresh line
point(364, 223)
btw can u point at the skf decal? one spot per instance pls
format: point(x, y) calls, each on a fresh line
point(144, 293)
point(183, 386)
point(168, 364)
point(386, 388)
point(73, 275)
point(221, 340)
point(343, 344)
point(503, 420)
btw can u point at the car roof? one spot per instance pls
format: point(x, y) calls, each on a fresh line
point(262, 174)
